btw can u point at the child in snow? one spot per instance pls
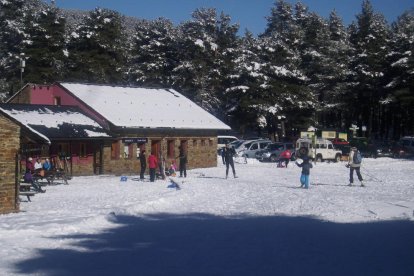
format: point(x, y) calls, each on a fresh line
point(304, 178)
point(172, 169)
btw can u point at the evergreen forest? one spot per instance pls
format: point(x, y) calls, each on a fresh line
point(303, 70)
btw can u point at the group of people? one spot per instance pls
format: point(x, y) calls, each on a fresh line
point(155, 162)
point(39, 169)
point(354, 164)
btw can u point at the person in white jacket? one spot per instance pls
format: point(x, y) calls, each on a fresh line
point(354, 164)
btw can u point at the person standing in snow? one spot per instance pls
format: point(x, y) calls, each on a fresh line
point(183, 162)
point(284, 157)
point(152, 164)
point(354, 164)
point(228, 153)
point(143, 161)
point(304, 178)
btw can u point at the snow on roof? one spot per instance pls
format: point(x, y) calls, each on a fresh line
point(145, 107)
point(54, 121)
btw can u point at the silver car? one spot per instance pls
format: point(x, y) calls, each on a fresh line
point(272, 151)
point(249, 148)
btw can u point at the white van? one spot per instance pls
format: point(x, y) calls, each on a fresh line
point(323, 150)
point(222, 140)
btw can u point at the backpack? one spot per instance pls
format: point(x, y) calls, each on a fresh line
point(357, 159)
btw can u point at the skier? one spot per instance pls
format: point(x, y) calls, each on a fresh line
point(354, 163)
point(228, 153)
point(143, 161)
point(306, 166)
point(284, 157)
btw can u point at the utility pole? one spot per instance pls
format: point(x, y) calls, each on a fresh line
point(22, 66)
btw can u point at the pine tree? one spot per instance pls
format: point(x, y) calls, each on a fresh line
point(243, 84)
point(370, 37)
point(153, 53)
point(285, 86)
point(336, 83)
point(202, 48)
point(45, 52)
point(12, 39)
point(97, 49)
point(400, 99)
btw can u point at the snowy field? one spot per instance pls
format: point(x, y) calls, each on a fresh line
point(261, 223)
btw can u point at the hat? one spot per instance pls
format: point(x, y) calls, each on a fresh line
point(30, 159)
point(353, 148)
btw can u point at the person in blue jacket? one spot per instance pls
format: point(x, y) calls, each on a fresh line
point(304, 178)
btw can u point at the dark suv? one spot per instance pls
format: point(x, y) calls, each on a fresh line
point(272, 151)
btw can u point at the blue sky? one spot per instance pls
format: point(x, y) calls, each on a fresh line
point(249, 14)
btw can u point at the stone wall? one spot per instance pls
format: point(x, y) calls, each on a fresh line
point(201, 153)
point(9, 146)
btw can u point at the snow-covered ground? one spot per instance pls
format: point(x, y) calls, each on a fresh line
point(261, 223)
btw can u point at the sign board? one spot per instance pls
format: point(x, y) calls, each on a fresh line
point(328, 134)
point(134, 140)
point(307, 134)
point(343, 136)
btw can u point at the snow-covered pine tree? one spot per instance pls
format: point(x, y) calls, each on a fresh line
point(399, 101)
point(12, 35)
point(370, 38)
point(242, 84)
point(97, 49)
point(336, 83)
point(152, 53)
point(198, 72)
point(285, 82)
point(45, 45)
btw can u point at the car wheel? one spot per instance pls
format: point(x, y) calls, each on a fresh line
point(319, 158)
point(273, 158)
point(338, 158)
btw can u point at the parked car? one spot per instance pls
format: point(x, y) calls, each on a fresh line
point(323, 150)
point(272, 151)
point(222, 140)
point(339, 141)
point(404, 147)
point(248, 149)
point(383, 149)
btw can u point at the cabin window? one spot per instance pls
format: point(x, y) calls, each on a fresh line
point(57, 101)
point(128, 151)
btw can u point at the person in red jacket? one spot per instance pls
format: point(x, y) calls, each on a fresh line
point(284, 157)
point(152, 164)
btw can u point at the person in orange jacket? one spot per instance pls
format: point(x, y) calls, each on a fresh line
point(152, 164)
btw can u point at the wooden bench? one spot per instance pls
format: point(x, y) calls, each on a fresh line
point(24, 190)
point(50, 177)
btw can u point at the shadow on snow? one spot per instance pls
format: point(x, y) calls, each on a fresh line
point(200, 244)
